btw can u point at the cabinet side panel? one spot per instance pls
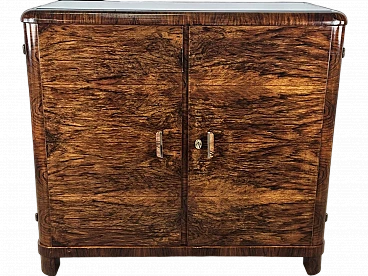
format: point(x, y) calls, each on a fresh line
point(38, 132)
point(337, 40)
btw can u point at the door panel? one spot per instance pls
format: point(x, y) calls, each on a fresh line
point(267, 114)
point(113, 169)
point(109, 53)
point(107, 90)
point(235, 221)
point(261, 91)
point(115, 220)
point(266, 55)
point(255, 169)
point(114, 113)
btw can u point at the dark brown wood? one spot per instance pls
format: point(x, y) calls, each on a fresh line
point(115, 220)
point(337, 38)
point(101, 18)
point(312, 264)
point(260, 186)
point(260, 168)
point(263, 218)
point(262, 208)
point(185, 138)
point(82, 167)
point(50, 266)
point(111, 251)
point(102, 84)
point(110, 55)
point(184, 18)
point(121, 113)
point(38, 132)
point(260, 56)
point(101, 133)
point(263, 114)
point(267, 19)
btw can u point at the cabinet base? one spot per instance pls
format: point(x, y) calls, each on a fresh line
point(312, 264)
point(50, 256)
point(50, 266)
point(111, 251)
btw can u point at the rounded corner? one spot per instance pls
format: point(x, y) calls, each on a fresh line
point(28, 16)
point(340, 16)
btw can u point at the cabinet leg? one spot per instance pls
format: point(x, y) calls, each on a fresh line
point(312, 264)
point(50, 266)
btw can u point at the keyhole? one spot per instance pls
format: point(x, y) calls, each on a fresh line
point(198, 144)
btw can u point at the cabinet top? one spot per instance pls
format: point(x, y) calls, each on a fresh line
point(180, 12)
point(183, 6)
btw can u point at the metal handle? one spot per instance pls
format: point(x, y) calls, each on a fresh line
point(159, 145)
point(210, 144)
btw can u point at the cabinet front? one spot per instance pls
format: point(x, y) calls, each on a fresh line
point(260, 91)
point(107, 91)
point(256, 99)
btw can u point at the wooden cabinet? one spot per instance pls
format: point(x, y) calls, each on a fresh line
point(163, 130)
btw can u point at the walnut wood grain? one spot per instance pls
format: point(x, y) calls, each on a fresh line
point(312, 264)
point(50, 266)
point(110, 55)
point(114, 219)
point(247, 114)
point(255, 193)
point(266, 19)
point(185, 138)
point(266, 219)
point(240, 169)
point(112, 113)
point(106, 185)
point(263, 173)
point(185, 18)
point(259, 55)
point(119, 48)
point(103, 83)
point(327, 133)
point(38, 132)
point(127, 169)
point(111, 251)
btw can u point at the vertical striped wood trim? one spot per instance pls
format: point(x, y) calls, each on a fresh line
point(337, 39)
point(185, 138)
point(38, 132)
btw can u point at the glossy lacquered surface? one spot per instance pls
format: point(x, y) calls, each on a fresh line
point(144, 6)
point(102, 85)
point(184, 13)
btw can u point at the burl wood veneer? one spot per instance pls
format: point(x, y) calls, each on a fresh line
point(171, 129)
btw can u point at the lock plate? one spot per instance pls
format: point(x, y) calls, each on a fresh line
point(198, 144)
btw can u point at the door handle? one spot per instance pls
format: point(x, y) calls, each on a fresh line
point(159, 145)
point(210, 144)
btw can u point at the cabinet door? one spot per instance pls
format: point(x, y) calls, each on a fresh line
point(107, 90)
point(260, 91)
